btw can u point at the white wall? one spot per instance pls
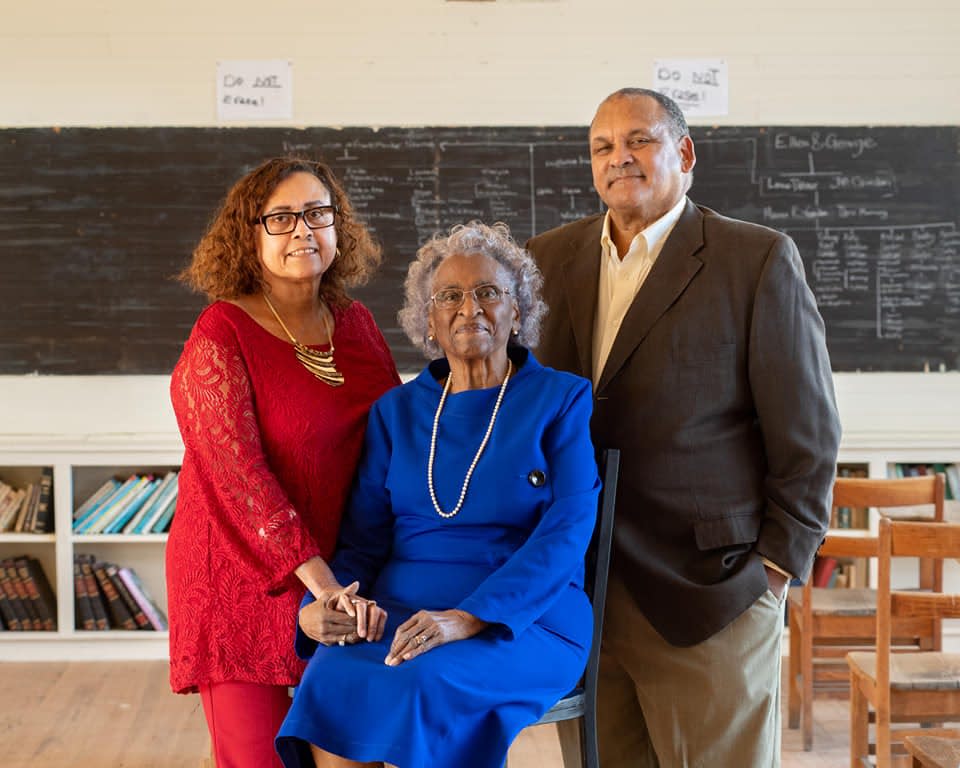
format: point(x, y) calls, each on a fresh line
point(431, 62)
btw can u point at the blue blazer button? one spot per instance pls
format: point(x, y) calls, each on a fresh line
point(536, 478)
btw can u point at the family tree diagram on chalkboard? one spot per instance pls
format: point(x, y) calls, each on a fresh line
point(97, 221)
point(874, 213)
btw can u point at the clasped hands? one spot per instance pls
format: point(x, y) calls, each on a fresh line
point(341, 617)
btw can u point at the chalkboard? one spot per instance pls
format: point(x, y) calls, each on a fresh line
point(96, 222)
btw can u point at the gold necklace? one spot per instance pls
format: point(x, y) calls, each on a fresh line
point(476, 458)
point(320, 364)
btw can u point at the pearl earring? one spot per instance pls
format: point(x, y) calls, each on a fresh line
point(431, 337)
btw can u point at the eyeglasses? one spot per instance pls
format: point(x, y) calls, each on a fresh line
point(286, 221)
point(452, 298)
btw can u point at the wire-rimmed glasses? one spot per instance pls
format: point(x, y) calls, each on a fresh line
point(453, 298)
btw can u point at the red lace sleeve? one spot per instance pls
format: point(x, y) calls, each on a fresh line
point(213, 401)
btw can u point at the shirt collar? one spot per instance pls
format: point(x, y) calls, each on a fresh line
point(655, 234)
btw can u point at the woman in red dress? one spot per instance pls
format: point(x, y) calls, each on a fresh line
point(271, 395)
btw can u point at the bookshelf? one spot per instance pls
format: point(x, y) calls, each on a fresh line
point(86, 428)
point(80, 464)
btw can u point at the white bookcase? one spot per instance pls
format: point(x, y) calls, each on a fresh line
point(88, 428)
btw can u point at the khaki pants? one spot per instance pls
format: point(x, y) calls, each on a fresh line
point(714, 704)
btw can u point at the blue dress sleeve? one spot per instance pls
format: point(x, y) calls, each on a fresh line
point(366, 532)
point(524, 587)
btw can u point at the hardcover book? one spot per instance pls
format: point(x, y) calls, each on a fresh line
point(39, 592)
point(139, 592)
point(139, 617)
point(83, 610)
point(97, 601)
point(120, 616)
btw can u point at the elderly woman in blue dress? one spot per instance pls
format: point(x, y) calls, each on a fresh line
point(458, 616)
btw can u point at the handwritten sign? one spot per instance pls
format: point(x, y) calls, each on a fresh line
point(699, 86)
point(255, 90)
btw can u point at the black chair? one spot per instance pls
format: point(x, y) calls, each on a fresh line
point(576, 713)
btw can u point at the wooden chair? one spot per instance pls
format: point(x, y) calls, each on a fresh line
point(932, 751)
point(576, 713)
point(827, 623)
point(919, 687)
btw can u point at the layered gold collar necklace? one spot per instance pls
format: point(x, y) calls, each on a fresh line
point(476, 458)
point(320, 364)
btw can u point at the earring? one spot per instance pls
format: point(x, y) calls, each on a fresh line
point(516, 331)
point(431, 337)
point(336, 255)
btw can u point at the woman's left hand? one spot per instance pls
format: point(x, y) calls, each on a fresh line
point(426, 630)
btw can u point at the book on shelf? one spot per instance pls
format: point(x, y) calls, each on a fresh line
point(140, 504)
point(13, 614)
point(127, 511)
point(148, 509)
point(82, 607)
point(108, 487)
point(24, 512)
point(39, 591)
point(148, 605)
point(101, 514)
point(30, 516)
point(97, 603)
point(163, 522)
point(108, 512)
point(159, 510)
point(92, 511)
point(44, 517)
point(139, 617)
point(953, 480)
point(823, 571)
point(116, 599)
point(33, 621)
point(10, 507)
point(6, 499)
point(120, 616)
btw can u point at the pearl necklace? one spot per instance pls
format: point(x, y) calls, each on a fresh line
point(483, 444)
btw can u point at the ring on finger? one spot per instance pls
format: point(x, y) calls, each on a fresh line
point(421, 639)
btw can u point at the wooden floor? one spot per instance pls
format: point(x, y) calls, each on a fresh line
point(122, 715)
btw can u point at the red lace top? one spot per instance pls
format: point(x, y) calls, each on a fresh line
point(270, 453)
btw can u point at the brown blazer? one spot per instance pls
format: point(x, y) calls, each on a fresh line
point(718, 392)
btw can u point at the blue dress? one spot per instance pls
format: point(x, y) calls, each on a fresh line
point(513, 557)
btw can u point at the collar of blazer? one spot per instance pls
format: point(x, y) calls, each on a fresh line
point(672, 272)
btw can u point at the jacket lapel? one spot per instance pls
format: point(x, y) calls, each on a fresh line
point(674, 269)
point(581, 275)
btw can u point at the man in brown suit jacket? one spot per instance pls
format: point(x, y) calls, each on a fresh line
point(711, 376)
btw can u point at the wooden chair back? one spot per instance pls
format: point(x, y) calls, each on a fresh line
point(931, 540)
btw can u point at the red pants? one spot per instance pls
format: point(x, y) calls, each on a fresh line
point(243, 719)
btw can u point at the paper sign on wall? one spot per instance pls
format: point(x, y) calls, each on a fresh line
point(699, 86)
point(255, 90)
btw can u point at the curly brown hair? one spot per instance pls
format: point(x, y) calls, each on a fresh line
point(225, 263)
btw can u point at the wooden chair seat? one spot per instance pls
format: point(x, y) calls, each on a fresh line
point(926, 671)
point(858, 601)
point(933, 751)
